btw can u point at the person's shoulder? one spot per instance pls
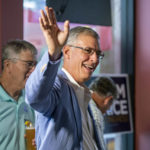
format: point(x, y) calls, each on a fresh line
point(92, 103)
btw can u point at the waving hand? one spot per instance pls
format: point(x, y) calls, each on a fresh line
point(55, 38)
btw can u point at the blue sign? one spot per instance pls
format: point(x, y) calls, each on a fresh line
point(118, 119)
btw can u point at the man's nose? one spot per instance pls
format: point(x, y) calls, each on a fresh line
point(94, 57)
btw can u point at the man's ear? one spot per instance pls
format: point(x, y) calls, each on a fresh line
point(96, 98)
point(66, 52)
point(108, 100)
point(7, 66)
point(6, 63)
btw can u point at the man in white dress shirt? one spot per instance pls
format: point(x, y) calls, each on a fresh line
point(61, 98)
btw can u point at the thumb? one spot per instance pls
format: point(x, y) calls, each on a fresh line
point(66, 27)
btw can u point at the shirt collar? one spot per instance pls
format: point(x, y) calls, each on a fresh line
point(76, 86)
point(6, 97)
point(71, 79)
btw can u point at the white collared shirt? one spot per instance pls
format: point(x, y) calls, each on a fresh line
point(84, 96)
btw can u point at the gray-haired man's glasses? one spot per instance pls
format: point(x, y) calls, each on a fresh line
point(28, 63)
point(90, 51)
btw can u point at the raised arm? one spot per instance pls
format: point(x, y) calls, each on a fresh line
point(40, 93)
point(55, 38)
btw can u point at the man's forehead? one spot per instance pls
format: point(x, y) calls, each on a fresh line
point(87, 39)
point(26, 53)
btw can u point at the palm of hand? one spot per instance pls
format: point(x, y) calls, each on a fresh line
point(55, 38)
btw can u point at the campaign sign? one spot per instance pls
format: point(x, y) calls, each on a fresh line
point(118, 119)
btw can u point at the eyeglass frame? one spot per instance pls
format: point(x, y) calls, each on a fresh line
point(99, 53)
point(29, 63)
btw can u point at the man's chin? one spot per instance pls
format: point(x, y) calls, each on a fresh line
point(86, 78)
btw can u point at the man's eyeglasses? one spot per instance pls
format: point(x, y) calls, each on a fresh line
point(90, 51)
point(28, 63)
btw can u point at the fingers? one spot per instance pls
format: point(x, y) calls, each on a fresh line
point(44, 18)
point(34, 143)
point(47, 18)
point(53, 16)
point(49, 13)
